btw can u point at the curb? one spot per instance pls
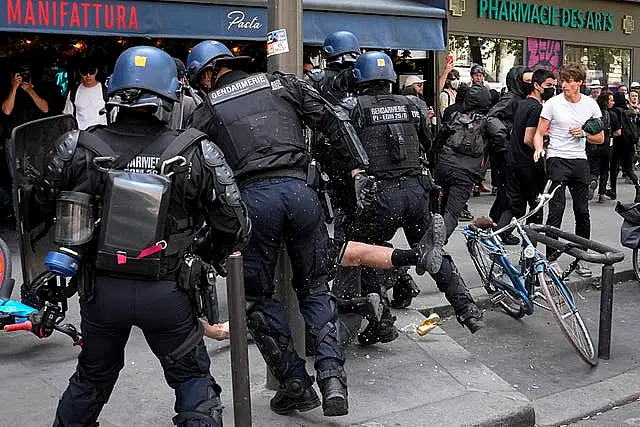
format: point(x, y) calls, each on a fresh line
point(483, 302)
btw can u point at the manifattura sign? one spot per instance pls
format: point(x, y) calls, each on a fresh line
point(529, 13)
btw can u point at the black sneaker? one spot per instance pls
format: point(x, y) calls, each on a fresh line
point(472, 319)
point(296, 394)
point(592, 189)
point(404, 290)
point(465, 215)
point(333, 386)
point(430, 247)
point(510, 240)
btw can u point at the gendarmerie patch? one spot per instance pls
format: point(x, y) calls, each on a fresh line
point(388, 114)
point(239, 88)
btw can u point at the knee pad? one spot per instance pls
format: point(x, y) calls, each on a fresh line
point(276, 348)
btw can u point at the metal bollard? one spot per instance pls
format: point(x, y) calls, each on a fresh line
point(238, 340)
point(606, 312)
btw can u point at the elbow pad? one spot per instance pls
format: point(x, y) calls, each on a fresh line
point(60, 160)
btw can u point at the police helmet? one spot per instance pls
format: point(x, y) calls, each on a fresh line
point(340, 43)
point(147, 69)
point(211, 53)
point(372, 66)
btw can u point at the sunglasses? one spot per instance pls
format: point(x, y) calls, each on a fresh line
point(88, 71)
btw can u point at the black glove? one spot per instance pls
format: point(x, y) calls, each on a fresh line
point(366, 188)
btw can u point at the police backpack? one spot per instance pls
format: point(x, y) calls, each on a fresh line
point(133, 237)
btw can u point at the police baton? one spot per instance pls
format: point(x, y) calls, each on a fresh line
point(238, 339)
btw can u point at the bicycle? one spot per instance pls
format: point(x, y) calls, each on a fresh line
point(517, 289)
point(17, 316)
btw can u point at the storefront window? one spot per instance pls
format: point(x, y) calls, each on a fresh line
point(611, 66)
point(496, 55)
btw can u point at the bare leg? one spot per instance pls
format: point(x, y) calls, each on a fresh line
point(358, 254)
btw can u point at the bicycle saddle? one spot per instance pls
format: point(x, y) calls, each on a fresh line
point(483, 223)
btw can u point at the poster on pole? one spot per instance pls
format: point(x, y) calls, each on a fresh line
point(277, 42)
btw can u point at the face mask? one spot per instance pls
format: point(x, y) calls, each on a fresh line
point(527, 87)
point(455, 84)
point(548, 93)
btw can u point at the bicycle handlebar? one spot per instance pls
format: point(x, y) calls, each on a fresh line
point(543, 199)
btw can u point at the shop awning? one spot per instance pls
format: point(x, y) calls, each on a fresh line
point(393, 24)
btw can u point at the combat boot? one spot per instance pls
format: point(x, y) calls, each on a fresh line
point(404, 290)
point(296, 394)
point(333, 386)
point(471, 318)
point(430, 246)
point(382, 331)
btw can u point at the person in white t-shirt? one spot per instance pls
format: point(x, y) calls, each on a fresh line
point(87, 100)
point(563, 118)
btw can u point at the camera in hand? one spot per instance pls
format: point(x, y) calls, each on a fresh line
point(26, 75)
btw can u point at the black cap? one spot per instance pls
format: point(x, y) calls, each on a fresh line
point(182, 70)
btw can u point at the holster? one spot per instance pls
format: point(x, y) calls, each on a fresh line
point(319, 181)
point(84, 281)
point(198, 279)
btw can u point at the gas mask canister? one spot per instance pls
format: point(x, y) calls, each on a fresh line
point(73, 228)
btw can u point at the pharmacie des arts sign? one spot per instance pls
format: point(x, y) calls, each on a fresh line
point(529, 13)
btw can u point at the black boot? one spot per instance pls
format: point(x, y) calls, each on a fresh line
point(430, 246)
point(404, 290)
point(333, 386)
point(637, 197)
point(296, 394)
point(382, 331)
point(471, 318)
point(370, 307)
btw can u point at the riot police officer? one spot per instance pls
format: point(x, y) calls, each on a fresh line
point(392, 129)
point(257, 119)
point(152, 187)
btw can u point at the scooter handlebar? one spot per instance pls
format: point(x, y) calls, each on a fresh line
point(24, 326)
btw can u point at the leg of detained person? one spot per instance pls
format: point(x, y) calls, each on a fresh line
point(306, 238)
point(266, 318)
point(106, 324)
point(165, 315)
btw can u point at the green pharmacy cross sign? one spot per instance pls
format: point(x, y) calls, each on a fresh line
point(528, 13)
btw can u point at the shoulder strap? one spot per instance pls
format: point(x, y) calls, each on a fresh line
point(181, 143)
point(96, 145)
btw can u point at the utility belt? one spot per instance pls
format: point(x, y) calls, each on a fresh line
point(399, 182)
point(243, 181)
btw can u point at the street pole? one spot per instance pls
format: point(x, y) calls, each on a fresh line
point(238, 341)
point(286, 15)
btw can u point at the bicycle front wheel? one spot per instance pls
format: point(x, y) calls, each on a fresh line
point(566, 314)
point(492, 276)
point(636, 264)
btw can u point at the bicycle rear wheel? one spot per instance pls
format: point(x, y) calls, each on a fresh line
point(5, 270)
point(566, 314)
point(514, 307)
point(636, 264)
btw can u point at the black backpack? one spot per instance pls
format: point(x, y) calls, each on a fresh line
point(629, 124)
point(74, 92)
point(467, 134)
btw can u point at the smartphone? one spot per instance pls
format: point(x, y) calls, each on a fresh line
point(449, 59)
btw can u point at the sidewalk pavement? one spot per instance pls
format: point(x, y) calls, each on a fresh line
point(413, 381)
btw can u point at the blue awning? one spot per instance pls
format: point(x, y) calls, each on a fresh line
point(393, 24)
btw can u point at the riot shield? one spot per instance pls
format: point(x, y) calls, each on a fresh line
point(31, 148)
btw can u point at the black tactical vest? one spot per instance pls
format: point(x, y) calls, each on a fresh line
point(387, 127)
point(264, 130)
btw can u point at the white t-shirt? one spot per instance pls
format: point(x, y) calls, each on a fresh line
point(565, 115)
point(89, 101)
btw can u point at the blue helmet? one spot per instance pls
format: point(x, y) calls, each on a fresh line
point(148, 69)
point(210, 53)
point(373, 66)
point(339, 43)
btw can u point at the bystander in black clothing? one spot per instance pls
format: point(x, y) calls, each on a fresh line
point(526, 178)
point(457, 106)
point(600, 155)
point(623, 150)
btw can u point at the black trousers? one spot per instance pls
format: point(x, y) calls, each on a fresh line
point(622, 155)
point(287, 210)
point(165, 315)
point(523, 186)
point(573, 174)
point(403, 203)
point(499, 179)
point(456, 186)
point(599, 158)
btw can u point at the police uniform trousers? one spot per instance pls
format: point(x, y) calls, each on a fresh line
point(165, 315)
point(404, 203)
point(287, 210)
